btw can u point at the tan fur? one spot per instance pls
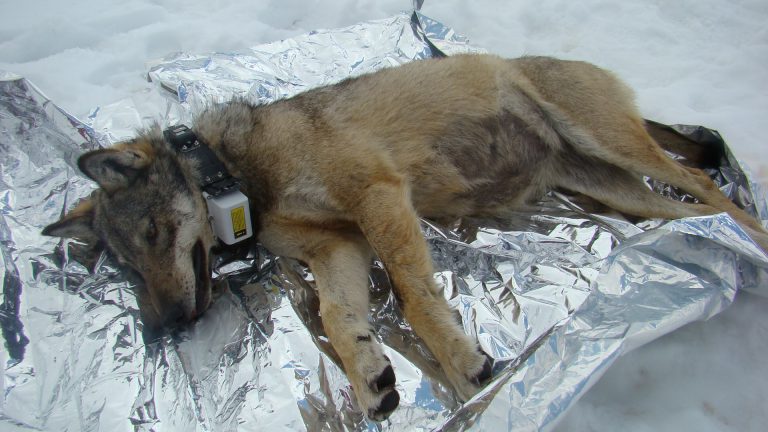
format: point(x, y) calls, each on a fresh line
point(82, 208)
point(339, 174)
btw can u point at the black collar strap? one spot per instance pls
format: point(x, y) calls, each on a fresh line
point(214, 177)
point(228, 209)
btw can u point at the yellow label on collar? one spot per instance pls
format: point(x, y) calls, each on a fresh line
point(238, 221)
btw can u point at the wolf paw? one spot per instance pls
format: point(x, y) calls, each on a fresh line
point(387, 404)
point(482, 377)
point(377, 396)
point(469, 372)
point(384, 380)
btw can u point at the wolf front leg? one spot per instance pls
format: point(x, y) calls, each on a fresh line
point(389, 222)
point(341, 270)
point(340, 262)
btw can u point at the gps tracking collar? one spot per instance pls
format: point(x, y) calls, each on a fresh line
point(228, 209)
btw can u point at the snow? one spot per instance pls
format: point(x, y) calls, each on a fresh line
point(689, 61)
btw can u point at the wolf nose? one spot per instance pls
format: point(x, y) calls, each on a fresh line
point(174, 316)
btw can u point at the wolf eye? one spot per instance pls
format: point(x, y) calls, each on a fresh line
point(152, 232)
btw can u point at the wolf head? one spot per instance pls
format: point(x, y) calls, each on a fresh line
point(150, 213)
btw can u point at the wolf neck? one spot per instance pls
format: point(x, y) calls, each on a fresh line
point(232, 131)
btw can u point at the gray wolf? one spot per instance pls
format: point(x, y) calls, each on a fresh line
point(340, 174)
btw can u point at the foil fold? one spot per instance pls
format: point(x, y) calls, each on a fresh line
point(554, 295)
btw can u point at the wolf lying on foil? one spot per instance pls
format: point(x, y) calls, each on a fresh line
point(340, 174)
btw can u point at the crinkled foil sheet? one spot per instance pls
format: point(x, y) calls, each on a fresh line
point(555, 296)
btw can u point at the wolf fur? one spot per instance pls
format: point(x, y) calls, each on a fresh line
point(340, 174)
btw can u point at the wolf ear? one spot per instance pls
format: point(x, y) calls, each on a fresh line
point(113, 168)
point(78, 224)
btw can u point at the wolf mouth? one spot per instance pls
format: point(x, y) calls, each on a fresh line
point(202, 277)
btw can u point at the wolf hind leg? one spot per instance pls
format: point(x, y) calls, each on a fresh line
point(638, 153)
point(629, 194)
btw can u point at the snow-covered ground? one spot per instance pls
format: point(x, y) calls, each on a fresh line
point(690, 61)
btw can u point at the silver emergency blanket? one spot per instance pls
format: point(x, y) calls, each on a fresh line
point(554, 296)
